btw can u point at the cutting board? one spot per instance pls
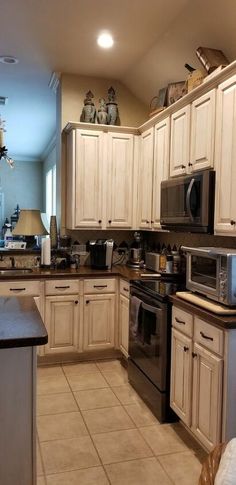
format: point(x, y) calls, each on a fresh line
point(205, 303)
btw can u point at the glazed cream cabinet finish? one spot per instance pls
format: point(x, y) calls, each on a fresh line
point(160, 167)
point(119, 167)
point(181, 375)
point(225, 208)
point(145, 176)
point(85, 179)
point(124, 317)
point(99, 322)
point(180, 141)
point(202, 132)
point(62, 323)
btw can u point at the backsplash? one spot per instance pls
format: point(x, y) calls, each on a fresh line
point(188, 239)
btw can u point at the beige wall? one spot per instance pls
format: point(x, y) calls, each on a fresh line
point(133, 112)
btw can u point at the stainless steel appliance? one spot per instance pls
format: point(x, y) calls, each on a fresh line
point(136, 260)
point(150, 343)
point(187, 203)
point(101, 252)
point(152, 261)
point(212, 272)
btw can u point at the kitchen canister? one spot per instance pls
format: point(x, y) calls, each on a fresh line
point(53, 232)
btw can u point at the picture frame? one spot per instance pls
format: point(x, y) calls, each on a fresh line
point(175, 91)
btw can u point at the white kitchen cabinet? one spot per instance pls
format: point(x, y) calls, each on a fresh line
point(225, 154)
point(99, 322)
point(119, 168)
point(181, 376)
point(160, 167)
point(207, 396)
point(180, 141)
point(202, 132)
point(145, 176)
point(124, 325)
point(62, 323)
point(85, 178)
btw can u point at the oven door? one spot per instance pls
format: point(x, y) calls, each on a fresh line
point(203, 273)
point(148, 337)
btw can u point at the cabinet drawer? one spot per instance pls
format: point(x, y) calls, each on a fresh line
point(101, 285)
point(209, 336)
point(61, 287)
point(124, 288)
point(17, 288)
point(182, 320)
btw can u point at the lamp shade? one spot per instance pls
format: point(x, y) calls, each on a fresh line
point(30, 224)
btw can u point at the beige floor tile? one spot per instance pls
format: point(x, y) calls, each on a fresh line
point(90, 476)
point(166, 438)
point(71, 454)
point(60, 426)
point(41, 481)
point(52, 385)
point(109, 365)
point(182, 468)
point(58, 403)
point(146, 471)
point(96, 398)
point(39, 462)
point(140, 414)
point(116, 377)
point(126, 394)
point(119, 446)
point(87, 381)
point(107, 419)
point(49, 370)
point(80, 368)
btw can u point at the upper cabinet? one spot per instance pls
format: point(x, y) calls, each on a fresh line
point(225, 150)
point(145, 175)
point(160, 166)
point(179, 145)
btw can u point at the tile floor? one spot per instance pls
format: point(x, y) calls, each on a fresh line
point(93, 429)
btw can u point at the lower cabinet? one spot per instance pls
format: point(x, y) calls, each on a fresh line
point(124, 325)
point(181, 375)
point(62, 323)
point(99, 322)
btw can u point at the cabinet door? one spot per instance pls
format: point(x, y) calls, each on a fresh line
point(145, 180)
point(124, 325)
point(99, 322)
point(225, 154)
point(88, 178)
point(180, 141)
point(62, 323)
point(202, 132)
point(120, 180)
point(181, 376)
point(160, 167)
point(207, 396)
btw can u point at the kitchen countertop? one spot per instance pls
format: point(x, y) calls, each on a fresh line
point(20, 323)
point(219, 320)
point(83, 271)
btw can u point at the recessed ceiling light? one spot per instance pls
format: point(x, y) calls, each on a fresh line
point(8, 60)
point(105, 40)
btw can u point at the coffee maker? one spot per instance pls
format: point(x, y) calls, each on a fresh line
point(101, 252)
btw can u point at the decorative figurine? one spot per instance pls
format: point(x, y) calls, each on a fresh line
point(112, 108)
point(102, 115)
point(89, 112)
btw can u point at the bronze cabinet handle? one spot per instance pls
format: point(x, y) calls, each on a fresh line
point(62, 287)
point(194, 355)
point(17, 289)
point(186, 349)
point(109, 221)
point(183, 166)
point(190, 164)
point(87, 302)
point(232, 222)
point(100, 287)
point(99, 222)
point(206, 336)
point(76, 302)
point(179, 321)
point(125, 289)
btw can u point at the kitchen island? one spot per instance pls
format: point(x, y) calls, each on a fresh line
point(21, 331)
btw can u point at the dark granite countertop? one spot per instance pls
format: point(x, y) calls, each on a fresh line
point(219, 320)
point(20, 323)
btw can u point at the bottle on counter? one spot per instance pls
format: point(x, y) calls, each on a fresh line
point(176, 260)
point(169, 263)
point(163, 258)
point(8, 234)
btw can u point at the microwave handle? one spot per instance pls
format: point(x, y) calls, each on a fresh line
point(188, 195)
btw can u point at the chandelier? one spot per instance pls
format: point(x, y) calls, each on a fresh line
point(3, 148)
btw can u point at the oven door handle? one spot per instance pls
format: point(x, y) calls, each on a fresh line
point(150, 308)
point(188, 196)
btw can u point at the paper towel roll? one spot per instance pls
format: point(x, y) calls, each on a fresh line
point(46, 251)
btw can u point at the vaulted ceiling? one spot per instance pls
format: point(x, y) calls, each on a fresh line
point(153, 40)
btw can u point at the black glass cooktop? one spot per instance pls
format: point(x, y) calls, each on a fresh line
point(160, 289)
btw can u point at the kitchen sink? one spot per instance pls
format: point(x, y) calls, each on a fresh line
point(14, 271)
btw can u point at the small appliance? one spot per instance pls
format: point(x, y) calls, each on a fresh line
point(101, 252)
point(211, 272)
point(152, 261)
point(136, 260)
point(187, 203)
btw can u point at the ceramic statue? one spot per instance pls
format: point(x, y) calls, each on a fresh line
point(102, 115)
point(112, 108)
point(88, 114)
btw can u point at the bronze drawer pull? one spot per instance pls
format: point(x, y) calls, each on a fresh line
point(100, 286)
point(17, 289)
point(206, 336)
point(76, 302)
point(125, 289)
point(87, 302)
point(62, 287)
point(179, 321)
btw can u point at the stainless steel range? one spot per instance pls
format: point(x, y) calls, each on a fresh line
point(150, 343)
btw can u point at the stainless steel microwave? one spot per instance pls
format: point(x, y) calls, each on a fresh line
point(187, 203)
point(212, 272)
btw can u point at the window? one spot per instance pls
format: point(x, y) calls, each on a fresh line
point(51, 192)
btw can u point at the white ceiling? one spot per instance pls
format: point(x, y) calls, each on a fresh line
point(153, 40)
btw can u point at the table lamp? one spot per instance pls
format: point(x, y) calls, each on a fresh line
point(30, 225)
